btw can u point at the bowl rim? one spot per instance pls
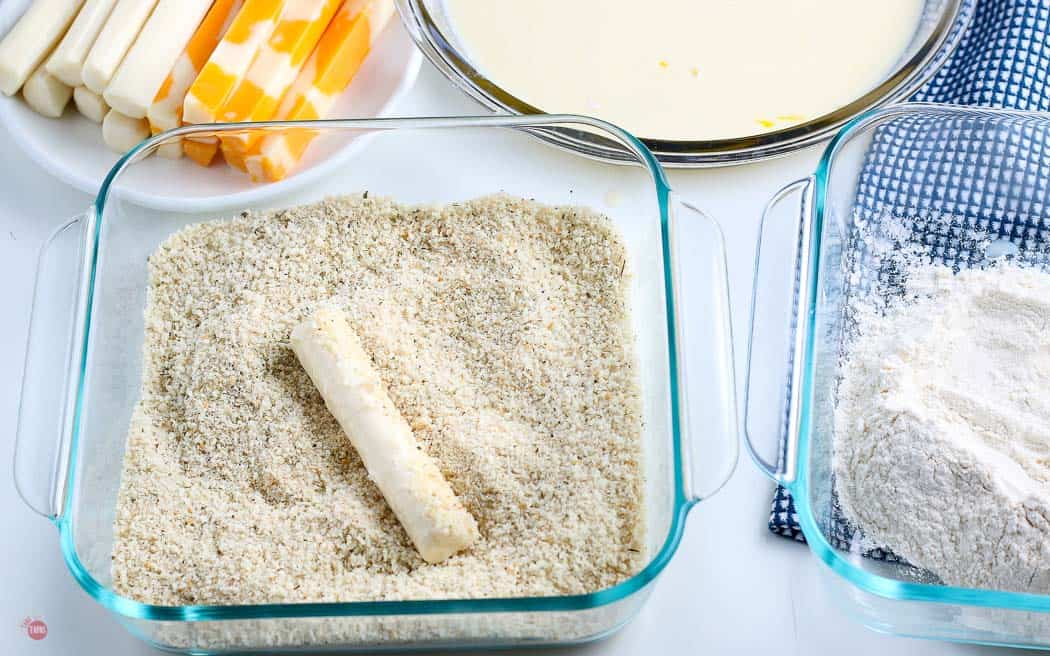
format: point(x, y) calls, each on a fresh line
point(681, 501)
point(869, 582)
point(71, 175)
point(903, 82)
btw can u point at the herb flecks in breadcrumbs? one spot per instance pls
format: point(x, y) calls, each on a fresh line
point(500, 328)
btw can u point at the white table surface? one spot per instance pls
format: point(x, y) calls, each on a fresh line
point(732, 587)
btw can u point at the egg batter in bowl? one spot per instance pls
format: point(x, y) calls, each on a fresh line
point(687, 70)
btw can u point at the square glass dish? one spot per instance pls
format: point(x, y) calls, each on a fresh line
point(84, 363)
point(955, 186)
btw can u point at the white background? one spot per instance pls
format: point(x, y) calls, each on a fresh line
point(731, 588)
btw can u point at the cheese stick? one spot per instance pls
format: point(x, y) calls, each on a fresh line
point(230, 60)
point(113, 42)
point(327, 73)
point(434, 518)
point(147, 64)
point(31, 39)
point(122, 133)
point(170, 149)
point(165, 113)
point(67, 61)
point(90, 104)
point(274, 69)
point(201, 152)
point(234, 157)
point(46, 94)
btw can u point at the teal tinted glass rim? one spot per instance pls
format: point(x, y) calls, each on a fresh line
point(868, 582)
point(130, 608)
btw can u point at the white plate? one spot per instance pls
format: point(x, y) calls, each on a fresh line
point(71, 148)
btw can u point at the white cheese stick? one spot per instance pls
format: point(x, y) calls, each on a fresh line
point(149, 61)
point(90, 105)
point(434, 518)
point(122, 133)
point(67, 61)
point(113, 42)
point(171, 149)
point(46, 94)
point(32, 38)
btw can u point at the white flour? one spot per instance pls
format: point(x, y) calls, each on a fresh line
point(942, 428)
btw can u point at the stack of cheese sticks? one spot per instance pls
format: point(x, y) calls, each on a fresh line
point(145, 66)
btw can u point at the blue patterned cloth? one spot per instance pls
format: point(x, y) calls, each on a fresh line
point(1003, 61)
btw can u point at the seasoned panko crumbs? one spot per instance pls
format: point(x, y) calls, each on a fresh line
point(500, 327)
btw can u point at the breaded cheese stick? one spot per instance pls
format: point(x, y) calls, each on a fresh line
point(434, 518)
point(122, 133)
point(147, 64)
point(67, 61)
point(32, 38)
point(113, 42)
point(90, 105)
point(46, 94)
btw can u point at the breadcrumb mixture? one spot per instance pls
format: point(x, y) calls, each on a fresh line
point(500, 327)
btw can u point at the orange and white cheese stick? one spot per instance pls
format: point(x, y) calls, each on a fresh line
point(31, 39)
point(147, 64)
point(113, 42)
point(165, 113)
point(330, 69)
point(274, 69)
point(67, 60)
point(202, 152)
point(230, 60)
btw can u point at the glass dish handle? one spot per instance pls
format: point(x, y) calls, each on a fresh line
point(46, 405)
point(706, 386)
point(767, 355)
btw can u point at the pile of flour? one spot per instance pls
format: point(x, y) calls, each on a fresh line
point(942, 425)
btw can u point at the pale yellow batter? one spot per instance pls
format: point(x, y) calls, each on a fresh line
point(687, 69)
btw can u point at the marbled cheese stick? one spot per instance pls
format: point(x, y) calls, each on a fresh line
point(434, 518)
point(275, 68)
point(122, 133)
point(327, 73)
point(147, 64)
point(67, 61)
point(46, 94)
point(113, 42)
point(201, 152)
point(166, 111)
point(24, 48)
point(90, 105)
point(230, 60)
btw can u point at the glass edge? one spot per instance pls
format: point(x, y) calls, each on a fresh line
point(726, 377)
point(868, 582)
point(54, 500)
point(904, 81)
point(130, 608)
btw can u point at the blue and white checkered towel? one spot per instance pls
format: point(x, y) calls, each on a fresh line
point(1003, 60)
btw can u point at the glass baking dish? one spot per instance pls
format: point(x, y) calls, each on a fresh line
point(957, 186)
point(940, 30)
point(83, 366)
